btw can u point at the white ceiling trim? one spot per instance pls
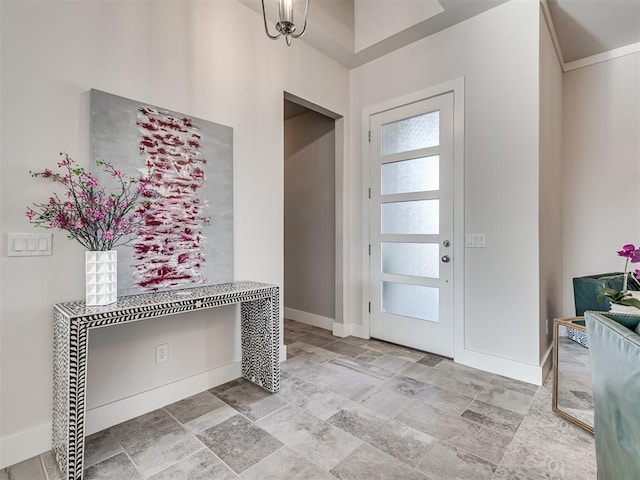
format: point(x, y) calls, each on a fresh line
point(546, 13)
point(602, 57)
point(583, 62)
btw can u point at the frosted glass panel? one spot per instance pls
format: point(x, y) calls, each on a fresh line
point(415, 217)
point(411, 301)
point(416, 175)
point(416, 259)
point(412, 133)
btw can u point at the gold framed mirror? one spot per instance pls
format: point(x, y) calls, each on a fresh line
point(572, 391)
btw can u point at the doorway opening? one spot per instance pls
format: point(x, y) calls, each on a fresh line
point(312, 214)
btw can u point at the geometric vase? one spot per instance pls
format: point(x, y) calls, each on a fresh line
point(101, 269)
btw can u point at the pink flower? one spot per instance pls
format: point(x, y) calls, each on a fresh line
point(98, 219)
point(627, 250)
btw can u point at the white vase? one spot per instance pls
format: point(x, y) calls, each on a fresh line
point(101, 270)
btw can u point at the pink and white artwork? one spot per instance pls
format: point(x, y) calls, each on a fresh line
point(186, 235)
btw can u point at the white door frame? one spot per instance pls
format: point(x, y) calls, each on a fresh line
point(457, 88)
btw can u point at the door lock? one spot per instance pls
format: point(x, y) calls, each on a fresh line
point(446, 258)
point(446, 243)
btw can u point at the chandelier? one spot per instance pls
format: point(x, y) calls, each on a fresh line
point(285, 25)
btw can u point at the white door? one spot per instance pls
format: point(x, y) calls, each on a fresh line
point(412, 225)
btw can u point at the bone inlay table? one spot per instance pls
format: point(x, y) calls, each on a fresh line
point(73, 320)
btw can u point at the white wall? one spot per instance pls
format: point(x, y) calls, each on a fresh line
point(601, 152)
point(496, 52)
point(207, 59)
point(550, 188)
point(309, 217)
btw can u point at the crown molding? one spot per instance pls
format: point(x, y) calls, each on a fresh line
point(602, 57)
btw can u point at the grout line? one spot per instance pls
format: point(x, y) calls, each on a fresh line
point(44, 469)
point(270, 455)
point(134, 464)
point(204, 447)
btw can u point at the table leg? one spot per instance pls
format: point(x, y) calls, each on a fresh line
point(260, 327)
point(70, 362)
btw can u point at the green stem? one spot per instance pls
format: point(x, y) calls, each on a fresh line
point(626, 276)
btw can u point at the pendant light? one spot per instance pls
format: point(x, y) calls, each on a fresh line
point(285, 26)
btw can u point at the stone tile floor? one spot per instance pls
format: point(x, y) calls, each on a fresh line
point(347, 409)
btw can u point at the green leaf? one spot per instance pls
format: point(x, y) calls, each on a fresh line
point(632, 302)
point(608, 291)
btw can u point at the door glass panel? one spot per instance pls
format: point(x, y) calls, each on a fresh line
point(415, 259)
point(422, 131)
point(414, 217)
point(413, 301)
point(407, 176)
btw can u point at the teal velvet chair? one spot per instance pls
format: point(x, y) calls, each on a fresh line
point(586, 290)
point(614, 348)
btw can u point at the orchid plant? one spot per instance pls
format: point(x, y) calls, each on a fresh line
point(98, 219)
point(623, 297)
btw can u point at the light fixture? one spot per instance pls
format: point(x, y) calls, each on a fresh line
point(285, 25)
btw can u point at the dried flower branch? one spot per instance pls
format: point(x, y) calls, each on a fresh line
point(98, 219)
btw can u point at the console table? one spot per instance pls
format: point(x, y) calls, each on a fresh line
point(73, 321)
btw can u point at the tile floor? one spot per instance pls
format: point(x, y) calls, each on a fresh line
point(347, 409)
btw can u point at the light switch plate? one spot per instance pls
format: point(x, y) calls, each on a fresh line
point(29, 244)
point(474, 240)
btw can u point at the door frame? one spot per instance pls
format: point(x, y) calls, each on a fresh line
point(341, 247)
point(456, 87)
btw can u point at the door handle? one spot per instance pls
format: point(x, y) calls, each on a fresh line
point(446, 258)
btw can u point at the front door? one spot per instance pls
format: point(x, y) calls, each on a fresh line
point(412, 225)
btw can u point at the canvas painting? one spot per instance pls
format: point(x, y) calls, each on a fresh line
point(185, 238)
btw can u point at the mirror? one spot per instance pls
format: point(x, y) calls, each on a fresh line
point(572, 391)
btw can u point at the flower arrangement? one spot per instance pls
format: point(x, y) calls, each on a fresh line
point(624, 297)
point(98, 219)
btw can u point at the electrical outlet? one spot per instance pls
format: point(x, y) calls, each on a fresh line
point(162, 353)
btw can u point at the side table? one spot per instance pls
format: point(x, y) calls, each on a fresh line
point(576, 323)
point(260, 313)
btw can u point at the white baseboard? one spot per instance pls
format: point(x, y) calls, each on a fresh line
point(105, 416)
point(308, 318)
point(503, 366)
point(29, 443)
point(349, 329)
point(547, 362)
point(26, 444)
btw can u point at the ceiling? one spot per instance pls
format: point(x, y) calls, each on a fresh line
point(588, 27)
point(345, 30)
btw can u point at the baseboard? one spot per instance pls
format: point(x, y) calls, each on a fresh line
point(349, 329)
point(105, 416)
point(308, 318)
point(503, 366)
point(547, 362)
point(29, 443)
point(26, 444)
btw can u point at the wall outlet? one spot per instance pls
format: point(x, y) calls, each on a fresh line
point(162, 353)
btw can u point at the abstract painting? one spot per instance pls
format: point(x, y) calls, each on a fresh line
point(185, 237)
